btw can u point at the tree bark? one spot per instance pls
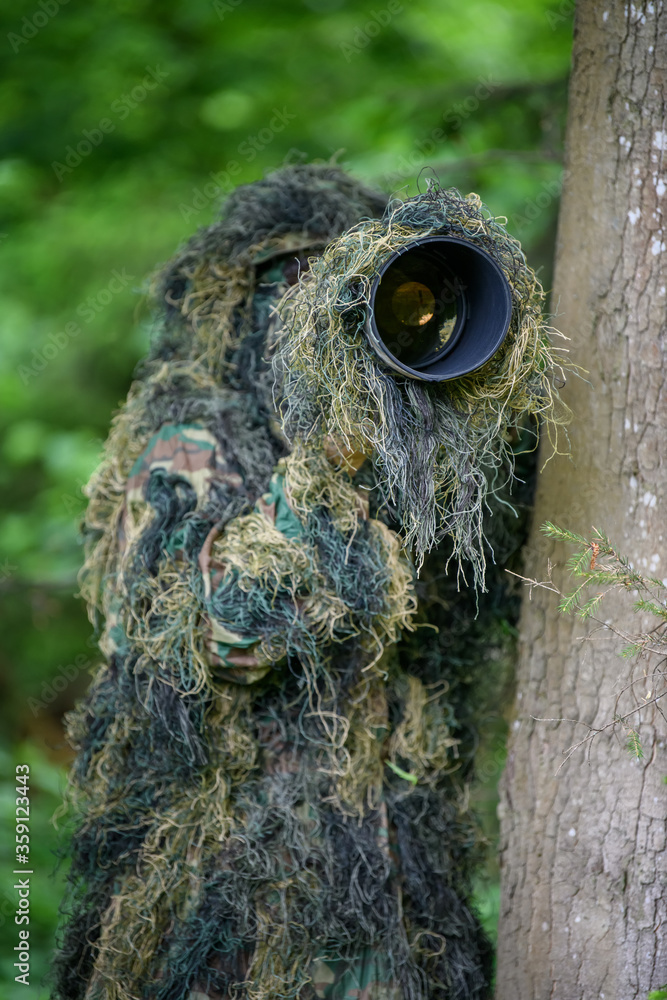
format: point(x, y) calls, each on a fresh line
point(584, 887)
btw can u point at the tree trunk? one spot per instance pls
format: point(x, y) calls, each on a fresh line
point(584, 892)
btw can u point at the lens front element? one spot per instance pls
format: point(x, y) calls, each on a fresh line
point(440, 308)
point(417, 308)
point(413, 303)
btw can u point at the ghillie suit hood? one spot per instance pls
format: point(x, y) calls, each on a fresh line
point(438, 449)
point(269, 793)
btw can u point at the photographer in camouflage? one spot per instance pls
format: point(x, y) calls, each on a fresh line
point(270, 788)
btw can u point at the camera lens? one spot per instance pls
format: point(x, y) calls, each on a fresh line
point(439, 308)
point(418, 308)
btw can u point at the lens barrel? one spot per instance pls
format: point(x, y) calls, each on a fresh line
point(439, 309)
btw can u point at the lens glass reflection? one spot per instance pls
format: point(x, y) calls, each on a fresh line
point(418, 308)
point(413, 303)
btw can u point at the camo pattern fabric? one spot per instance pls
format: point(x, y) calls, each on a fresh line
point(191, 453)
point(365, 979)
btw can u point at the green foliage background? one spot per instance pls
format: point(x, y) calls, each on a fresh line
point(475, 92)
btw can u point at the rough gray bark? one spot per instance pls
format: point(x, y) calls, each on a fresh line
point(584, 887)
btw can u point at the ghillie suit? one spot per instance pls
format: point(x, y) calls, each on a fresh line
point(270, 787)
